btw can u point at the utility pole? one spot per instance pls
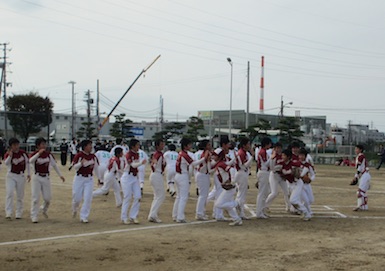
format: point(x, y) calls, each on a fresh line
point(161, 119)
point(89, 101)
point(97, 105)
point(73, 109)
point(5, 84)
point(281, 111)
point(248, 94)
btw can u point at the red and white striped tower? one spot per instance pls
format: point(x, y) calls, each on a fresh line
point(261, 107)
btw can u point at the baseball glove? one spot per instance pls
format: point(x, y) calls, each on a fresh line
point(354, 181)
point(227, 186)
point(306, 179)
point(297, 172)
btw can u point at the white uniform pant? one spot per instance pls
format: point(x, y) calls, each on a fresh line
point(131, 189)
point(182, 182)
point(242, 179)
point(110, 181)
point(82, 189)
point(307, 197)
point(141, 173)
point(39, 185)
point(227, 202)
point(214, 195)
point(263, 191)
point(296, 189)
point(203, 184)
point(156, 181)
point(14, 182)
point(171, 179)
point(363, 187)
point(275, 180)
point(101, 172)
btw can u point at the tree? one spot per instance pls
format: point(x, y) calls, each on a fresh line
point(29, 113)
point(121, 128)
point(260, 128)
point(173, 129)
point(87, 130)
point(194, 125)
point(289, 129)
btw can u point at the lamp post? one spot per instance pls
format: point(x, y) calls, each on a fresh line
point(231, 97)
point(283, 106)
point(73, 109)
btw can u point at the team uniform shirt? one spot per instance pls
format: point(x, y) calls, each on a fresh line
point(276, 163)
point(287, 171)
point(157, 163)
point(263, 161)
point(73, 148)
point(133, 162)
point(183, 162)
point(203, 167)
point(86, 169)
point(103, 157)
point(18, 162)
point(243, 161)
point(307, 169)
point(223, 172)
point(170, 157)
point(124, 148)
point(42, 162)
point(142, 155)
point(116, 166)
point(361, 165)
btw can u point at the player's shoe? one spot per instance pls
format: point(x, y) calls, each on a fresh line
point(222, 219)
point(245, 217)
point(126, 222)
point(262, 216)
point(34, 220)
point(237, 222)
point(201, 218)
point(154, 220)
point(181, 221)
point(357, 209)
point(74, 213)
point(85, 221)
point(134, 221)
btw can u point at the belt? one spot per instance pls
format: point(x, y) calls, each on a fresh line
point(132, 173)
point(42, 174)
point(84, 175)
point(20, 172)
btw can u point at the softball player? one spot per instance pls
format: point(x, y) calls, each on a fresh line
point(85, 163)
point(170, 157)
point(184, 167)
point(363, 178)
point(112, 176)
point(142, 168)
point(41, 160)
point(263, 177)
point(156, 180)
point(130, 184)
point(104, 158)
point(202, 178)
point(243, 162)
point(275, 179)
point(295, 182)
point(17, 162)
point(226, 199)
point(308, 177)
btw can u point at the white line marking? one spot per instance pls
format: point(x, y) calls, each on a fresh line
point(102, 232)
point(253, 214)
point(327, 207)
point(342, 215)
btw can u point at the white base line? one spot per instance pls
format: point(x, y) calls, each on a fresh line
point(102, 232)
point(328, 208)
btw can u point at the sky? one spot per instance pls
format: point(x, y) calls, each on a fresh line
point(326, 57)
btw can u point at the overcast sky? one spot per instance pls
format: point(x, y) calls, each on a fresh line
point(325, 56)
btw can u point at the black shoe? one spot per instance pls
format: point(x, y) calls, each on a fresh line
point(197, 192)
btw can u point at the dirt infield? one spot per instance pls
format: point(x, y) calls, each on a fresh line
point(335, 239)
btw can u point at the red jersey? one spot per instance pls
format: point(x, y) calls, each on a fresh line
point(118, 163)
point(287, 172)
point(157, 164)
point(131, 157)
point(223, 171)
point(263, 160)
point(42, 163)
point(182, 162)
point(242, 159)
point(19, 161)
point(88, 168)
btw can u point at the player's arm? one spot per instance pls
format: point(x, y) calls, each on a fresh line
point(53, 163)
point(28, 167)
